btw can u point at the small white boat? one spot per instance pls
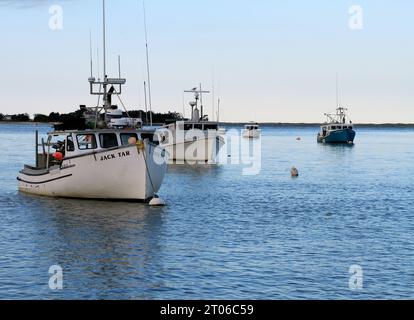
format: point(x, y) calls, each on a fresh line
point(193, 141)
point(252, 131)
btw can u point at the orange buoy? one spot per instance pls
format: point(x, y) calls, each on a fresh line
point(58, 156)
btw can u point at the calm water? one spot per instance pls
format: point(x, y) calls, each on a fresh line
point(224, 235)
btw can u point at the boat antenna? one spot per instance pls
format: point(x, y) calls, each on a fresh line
point(213, 99)
point(90, 50)
point(146, 103)
point(148, 64)
point(104, 37)
point(98, 58)
point(218, 110)
point(119, 66)
point(183, 105)
point(105, 84)
point(337, 91)
point(201, 102)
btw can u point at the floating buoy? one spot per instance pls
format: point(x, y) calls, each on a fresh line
point(298, 138)
point(294, 172)
point(157, 202)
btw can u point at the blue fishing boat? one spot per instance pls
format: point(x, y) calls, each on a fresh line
point(337, 129)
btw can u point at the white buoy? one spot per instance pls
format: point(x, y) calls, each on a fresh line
point(294, 172)
point(157, 202)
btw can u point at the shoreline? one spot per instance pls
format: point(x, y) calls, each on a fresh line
point(263, 124)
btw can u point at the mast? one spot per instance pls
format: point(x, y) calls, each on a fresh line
point(337, 91)
point(201, 103)
point(104, 57)
point(119, 66)
point(218, 111)
point(146, 103)
point(90, 50)
point(148, 65)
point(103, 84)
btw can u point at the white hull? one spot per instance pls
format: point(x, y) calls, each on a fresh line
point(120, 173)
point(252, 134)
point(202, 150)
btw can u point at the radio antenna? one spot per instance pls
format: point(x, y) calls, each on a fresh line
point(90, 50)
point(148, 64)
point(119, 66)
point(146, 103)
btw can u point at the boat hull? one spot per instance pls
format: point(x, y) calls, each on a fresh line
point(198, 151)
point(339, 136)
point(252, 134)
point(125, 173)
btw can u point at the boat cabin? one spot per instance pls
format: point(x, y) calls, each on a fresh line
point(251, 127)
point(187, 126)
point(67, 144)
point(336, 127)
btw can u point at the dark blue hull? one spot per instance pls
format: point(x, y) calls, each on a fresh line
point(339, 136)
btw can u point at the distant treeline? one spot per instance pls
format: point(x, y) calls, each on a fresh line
point(55, 117)
point(23, 117)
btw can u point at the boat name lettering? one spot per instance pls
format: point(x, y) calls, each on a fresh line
point(115, 155)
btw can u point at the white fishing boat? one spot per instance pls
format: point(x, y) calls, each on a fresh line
point(96, 164)
point(111, 161)
point(252, 131)
point(196, 140)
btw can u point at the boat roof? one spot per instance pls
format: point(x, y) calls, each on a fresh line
point(86, 131)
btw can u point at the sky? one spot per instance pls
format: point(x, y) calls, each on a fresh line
point(267, 60)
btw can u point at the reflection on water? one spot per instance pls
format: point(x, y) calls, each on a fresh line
point(222, 234)
point(97, 243)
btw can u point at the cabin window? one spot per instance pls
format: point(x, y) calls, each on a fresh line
point(70, 146)
point(350, 128)
point(125, 137)
point(148, 135)
point(108, 140)
point(86, 141)
point(188, 127)
point(198, 126)
point(210, 127)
